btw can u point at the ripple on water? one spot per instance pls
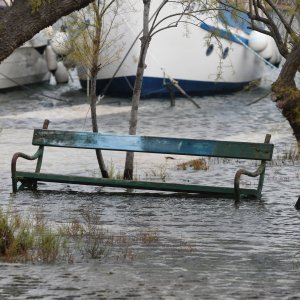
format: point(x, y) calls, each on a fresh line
point(207, 248)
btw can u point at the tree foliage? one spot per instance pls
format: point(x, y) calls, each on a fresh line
point(92, 37)
point(93, 33)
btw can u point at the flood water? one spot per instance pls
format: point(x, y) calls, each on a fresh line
point(206, 248)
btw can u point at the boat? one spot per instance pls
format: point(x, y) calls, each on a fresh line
point(26, 65)
point(32, 63)
point(187, 55)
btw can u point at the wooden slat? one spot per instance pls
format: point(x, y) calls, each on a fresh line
point(145, 185)
point(90, 140)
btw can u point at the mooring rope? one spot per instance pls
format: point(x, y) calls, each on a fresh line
point(180, 89)
point(30, 89)
point(260, 57)
point(253, 51)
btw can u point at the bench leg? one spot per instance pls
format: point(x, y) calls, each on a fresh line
point(237, 185)
point(25, 184)
point(14, 185)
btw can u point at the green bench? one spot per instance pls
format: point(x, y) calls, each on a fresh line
point(179, 146)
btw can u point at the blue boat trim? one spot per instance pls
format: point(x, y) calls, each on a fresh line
point(224, 34)
point(235, 19)
point(154, 87)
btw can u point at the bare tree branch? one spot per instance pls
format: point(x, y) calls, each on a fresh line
point(286, 25)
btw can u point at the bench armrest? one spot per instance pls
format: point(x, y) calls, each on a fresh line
point(38, 154)
point(259, 172)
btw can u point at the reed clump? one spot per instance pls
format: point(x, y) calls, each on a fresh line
point(112, 172)
point(96, 242)
point(115, 173)
point(23, 240)
point(287, 156)
point(33, 239)
point(89, 236)
point(148, 237)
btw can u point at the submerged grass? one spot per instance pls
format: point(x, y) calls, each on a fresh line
point(89, 236)
point(23, 239)
point(96, 242)
point(286, 156)
point(35, 240)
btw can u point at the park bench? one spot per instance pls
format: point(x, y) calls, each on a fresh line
point(179, 146)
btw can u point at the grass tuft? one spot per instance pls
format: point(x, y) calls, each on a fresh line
point(23, 240)
point(35, 240)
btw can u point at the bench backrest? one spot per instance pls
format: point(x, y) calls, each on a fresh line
point(90, 140)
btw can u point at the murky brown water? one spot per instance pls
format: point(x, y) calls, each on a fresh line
point(207, 248)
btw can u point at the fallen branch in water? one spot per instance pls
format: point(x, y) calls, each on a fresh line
point(260, 98)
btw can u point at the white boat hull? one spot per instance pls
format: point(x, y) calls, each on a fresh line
point(181, 52)
point(24, 66)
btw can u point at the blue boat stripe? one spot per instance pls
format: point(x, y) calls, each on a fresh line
point(224, 34)
point(154, 87)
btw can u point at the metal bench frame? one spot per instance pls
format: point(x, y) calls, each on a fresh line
point(88, 140)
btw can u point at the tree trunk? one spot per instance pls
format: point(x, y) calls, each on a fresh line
point(287, 94)
point(19, 22)
point(145, 41)
point(95, 126)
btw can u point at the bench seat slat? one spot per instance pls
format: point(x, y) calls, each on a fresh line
point(145, 185)
point(90, 140)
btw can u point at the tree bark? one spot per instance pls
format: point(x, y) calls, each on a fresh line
point(287, 94)
point(14, 34)
point(95, 126)
point(94, 71)
point(145, 41)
